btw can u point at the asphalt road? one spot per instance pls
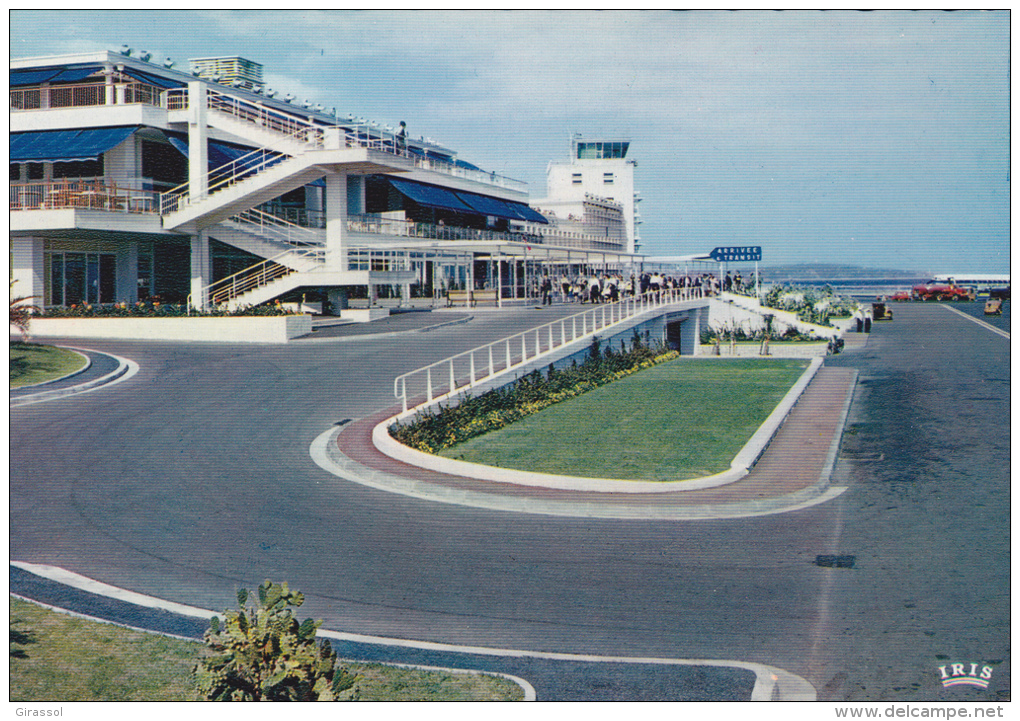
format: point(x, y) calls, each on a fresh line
point(194, 478)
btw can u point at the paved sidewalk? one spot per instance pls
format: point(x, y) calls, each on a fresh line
point(792, 472)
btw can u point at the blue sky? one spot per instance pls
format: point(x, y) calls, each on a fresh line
point(877, 139)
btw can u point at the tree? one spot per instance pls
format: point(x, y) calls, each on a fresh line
point(262, 653)
point(21, 313)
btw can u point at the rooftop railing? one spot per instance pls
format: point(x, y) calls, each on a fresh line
point(83, 95)
point(85, 194)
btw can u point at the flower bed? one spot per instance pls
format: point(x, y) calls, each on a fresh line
point(435, 431)
point(155, 309)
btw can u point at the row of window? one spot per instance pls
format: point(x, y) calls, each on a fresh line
point(71, 169)
point(607, 178)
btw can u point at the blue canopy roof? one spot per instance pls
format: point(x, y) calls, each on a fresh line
point(37, 76)
point(527, 212)
point(430, 195)
point(487, 206)
point(66, 145)
point(151, 79)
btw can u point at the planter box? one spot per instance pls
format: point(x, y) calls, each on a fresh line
point(271, 329)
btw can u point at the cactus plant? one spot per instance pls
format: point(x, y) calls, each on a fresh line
point(262, 653)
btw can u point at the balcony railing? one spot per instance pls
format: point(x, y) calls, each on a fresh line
point(81, 96)
point(537, 234)
point(89, 194)
point(412, 229)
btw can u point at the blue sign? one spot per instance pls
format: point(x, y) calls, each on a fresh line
point(742, 252)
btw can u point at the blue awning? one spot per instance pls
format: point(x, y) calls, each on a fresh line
point(73, 75)
point(527, 212)
point(487, 206)
point(430, 195)
point(38, 76)
point(35, 76)
point(66, 145)
point(150, 79)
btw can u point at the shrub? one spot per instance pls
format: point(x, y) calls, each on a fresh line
point(154, 308)
point(262, 653)
point(434, 431)
point(21, 312)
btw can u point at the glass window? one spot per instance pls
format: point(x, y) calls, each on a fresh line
point(54, 294)
point(92, 278)
point(144, 273)
point(36, 171)
point(74, 278)
point(15, 172)
point(107, 278)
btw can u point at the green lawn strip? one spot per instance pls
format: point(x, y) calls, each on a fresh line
point(32, 363)
point(58, 657)
point(683, 419)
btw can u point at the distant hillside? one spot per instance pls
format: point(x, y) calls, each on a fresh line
point(824, 271)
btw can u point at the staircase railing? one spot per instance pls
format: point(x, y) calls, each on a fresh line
point(222, 177)
point(307, 135)
point(259, 115)
point(276, 228)
point(257, 276)
point(446, 378)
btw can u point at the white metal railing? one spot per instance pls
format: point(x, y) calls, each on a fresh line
point(246, 111)
point(379, 225)
point(276, 228)
point(222, 177)
point(257, 276)
point(464, 371)
point(84, 194)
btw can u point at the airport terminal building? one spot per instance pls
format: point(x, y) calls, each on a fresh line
point(132, 180)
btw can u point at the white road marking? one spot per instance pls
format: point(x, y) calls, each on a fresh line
point(771, 682)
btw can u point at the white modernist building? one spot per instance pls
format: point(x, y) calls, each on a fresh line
point(130, 180)
point(597, 175)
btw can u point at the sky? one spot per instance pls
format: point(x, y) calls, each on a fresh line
point(872, 139)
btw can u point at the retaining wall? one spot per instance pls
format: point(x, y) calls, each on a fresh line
point(244, 329)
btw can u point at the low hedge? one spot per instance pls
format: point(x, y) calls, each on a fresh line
point(156, 309)
point(434, 431)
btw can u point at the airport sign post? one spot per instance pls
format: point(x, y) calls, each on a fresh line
point(728, 254)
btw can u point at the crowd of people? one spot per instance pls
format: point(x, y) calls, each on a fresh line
point(610, 287)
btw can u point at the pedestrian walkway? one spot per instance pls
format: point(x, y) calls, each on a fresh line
point(793, 472)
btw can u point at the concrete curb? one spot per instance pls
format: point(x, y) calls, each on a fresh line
point(125, 369)
point(771, 682)
point(324, 452)
point(88, 364)
point(739, 467)
point(68, 578)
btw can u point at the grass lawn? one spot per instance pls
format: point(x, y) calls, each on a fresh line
point(57, 657)
point(32, 363)
point(682, 419)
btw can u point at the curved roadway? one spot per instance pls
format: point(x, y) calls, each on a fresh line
point(194, 478)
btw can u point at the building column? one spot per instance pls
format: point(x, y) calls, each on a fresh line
point(336, 221)
point(198, 146)
point(27, 269)
point(200, 269)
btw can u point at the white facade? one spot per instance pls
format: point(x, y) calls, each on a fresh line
point(597, 169)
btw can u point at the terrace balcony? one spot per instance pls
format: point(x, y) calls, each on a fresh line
point(83, 194)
